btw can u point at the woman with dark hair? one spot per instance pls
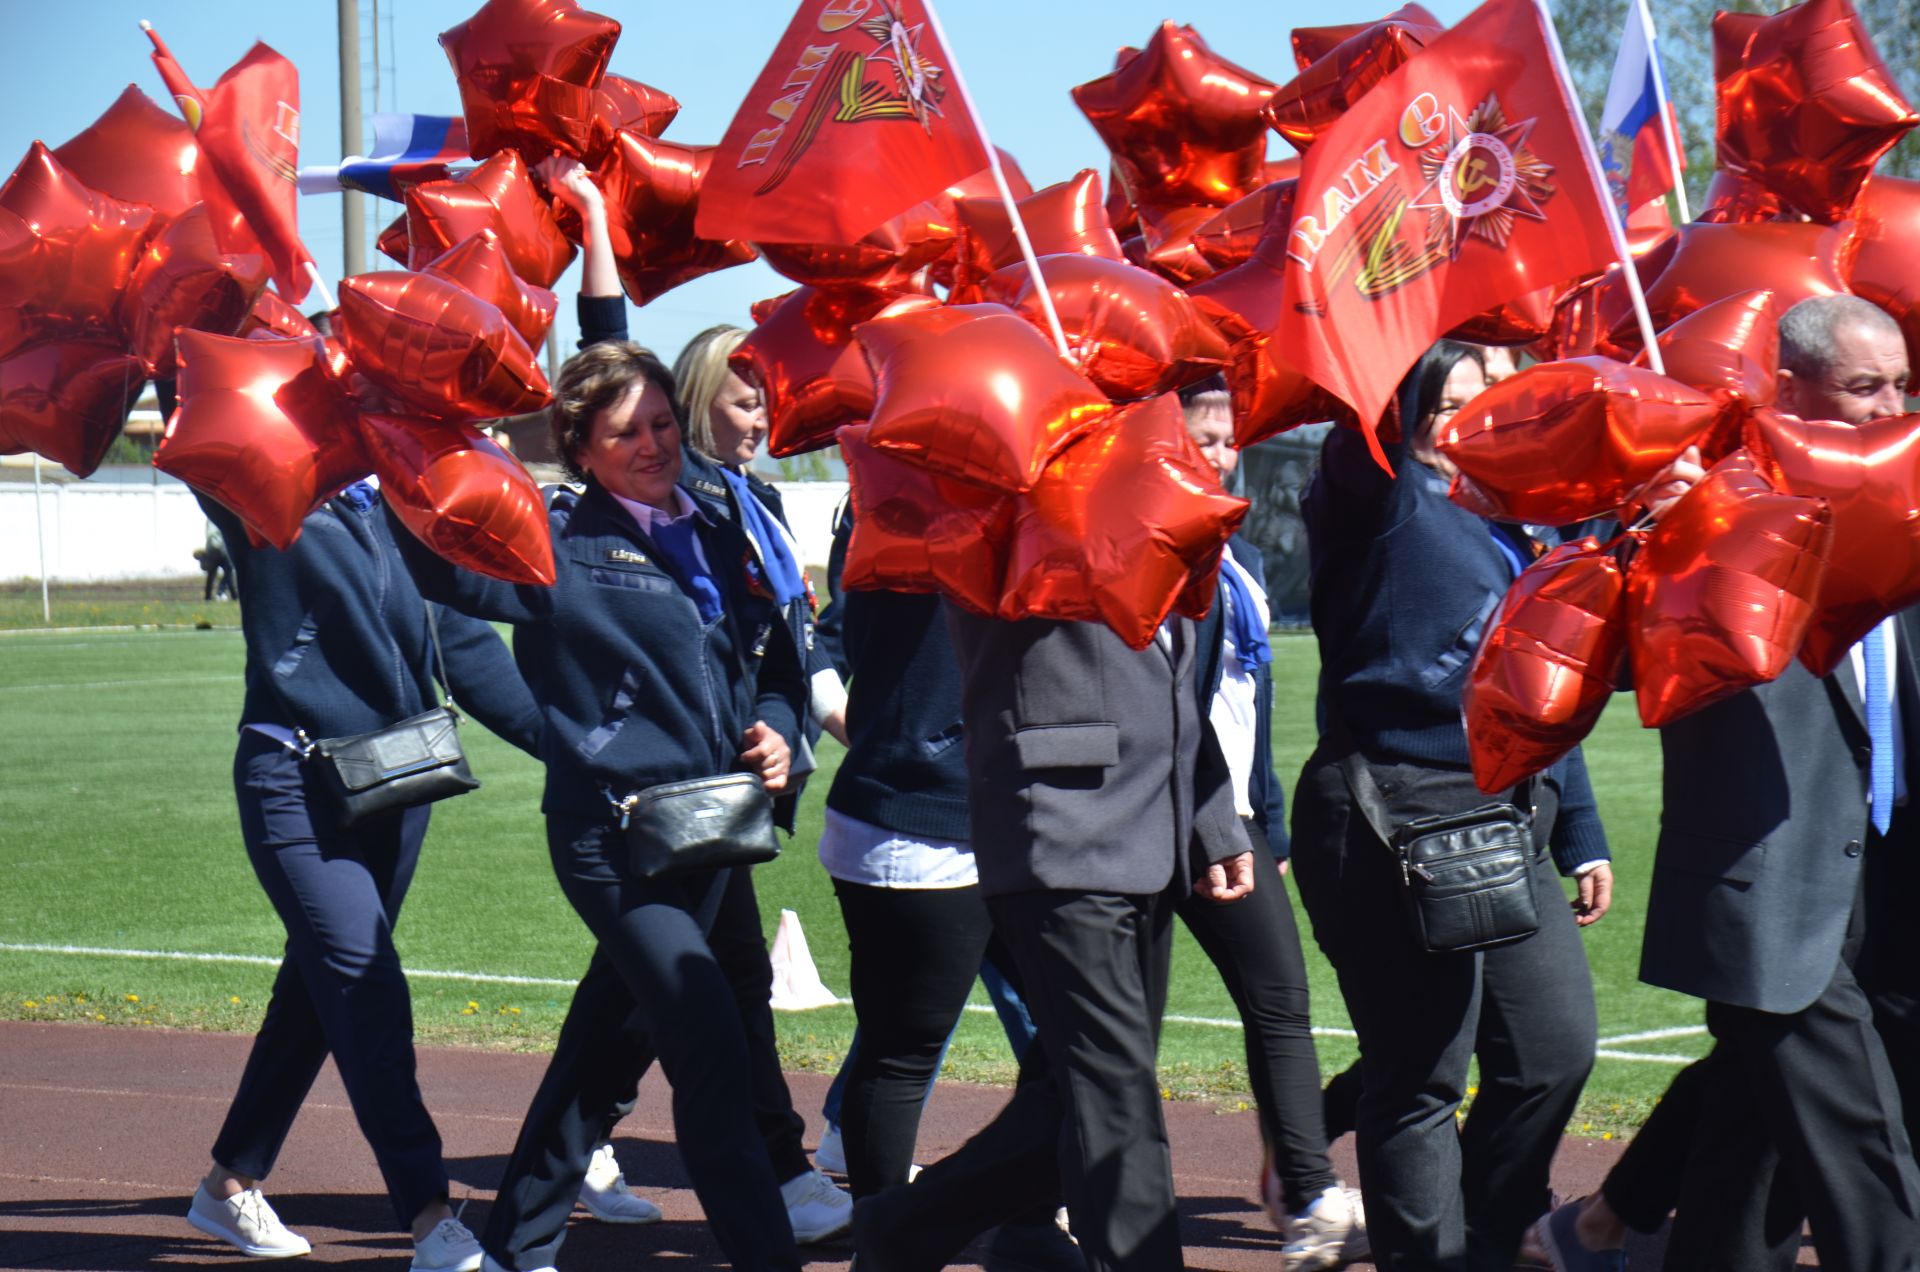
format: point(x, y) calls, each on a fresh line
point(1404, 584)
point(655, 658)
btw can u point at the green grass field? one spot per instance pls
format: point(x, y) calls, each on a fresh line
point(119, 846)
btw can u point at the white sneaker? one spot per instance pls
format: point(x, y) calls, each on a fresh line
point(247, 1223)
point(831, 1156)
point(816, 1209)
point(1330, 1233)
point(604, 1193)
point(450, 1247)
point(488, 1265)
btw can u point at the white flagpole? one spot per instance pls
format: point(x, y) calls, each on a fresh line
point(40, 533)
point(320, 285)
point(1648, 336)
point(1666, 116)
point(1000, 182)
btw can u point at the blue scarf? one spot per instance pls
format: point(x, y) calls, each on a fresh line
point(1250, 641)
point(781, 570)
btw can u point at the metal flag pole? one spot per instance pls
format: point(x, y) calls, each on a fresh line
point(1666, 115)
point(1000, 183)
point(1620, 251)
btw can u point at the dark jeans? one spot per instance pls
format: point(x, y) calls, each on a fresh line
point(653, 985)
point(340, 988)
point(1440, 1197)
point(1255, 945)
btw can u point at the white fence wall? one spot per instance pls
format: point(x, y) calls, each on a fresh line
point(103, 533)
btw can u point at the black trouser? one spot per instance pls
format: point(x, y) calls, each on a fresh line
point(340, 988)
point(739, 944)
point(1438, 1197)
point(1094, 972)
point(653, 984)
point(915, 955)
point(1255, 944)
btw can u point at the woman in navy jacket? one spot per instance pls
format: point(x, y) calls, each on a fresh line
point(1403, 585)
point(656, 656)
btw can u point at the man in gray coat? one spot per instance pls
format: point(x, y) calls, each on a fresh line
point(1098, 799)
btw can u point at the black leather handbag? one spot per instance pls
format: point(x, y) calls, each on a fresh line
point(1468, 876)
point(702, 824)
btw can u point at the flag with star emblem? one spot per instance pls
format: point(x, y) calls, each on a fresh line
point(855, 119)
point(1463, 180)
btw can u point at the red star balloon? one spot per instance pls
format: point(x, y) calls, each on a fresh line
point(813, 376)
point(1183, 123)
point(652, 191)
point(1712, 262)
point(462, 496)
point(1520, 321)
point(264, 428)
point(1067, 217)
point(1595, 315)
point(67, 400)
point(435, 345)
point(1303, 109)
point(480, 264)
point(273, 316)
point(393, 242)
point(1722, 593)
point(66, 253)
point(1543, 675)
point(892, 256)
point(1729, 350)
point(1889, 217)
point(1870, 476)
point(527, 70)
point(1228, 237)
point(1133, 334)
point(1270, 393)
point(1564, 441)
point(1169, 249)
point(1310, 44)
point(619, 103)
point(974, 392)
point(915, 531)
point(183, 279)
point(137, 152)
point(497, 196)
point(1116, 527)
point(1734, 198)
point(1806, 106)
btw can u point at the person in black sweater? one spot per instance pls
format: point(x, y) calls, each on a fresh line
point(337, 641)
point(1404, 583)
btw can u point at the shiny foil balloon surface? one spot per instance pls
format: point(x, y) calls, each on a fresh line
point(527, 71)
point(974, 392)
point(652, 191)
point(1729, 350)
point(891, 256)
point(1270, 393)
point(461, 495)
point(1066, 217)
point(1564, 441)
point(1114, 529)
point(184, 280)
point(1712, 262)
point(619, 103)
point(393, 242)
point(1133, 334)
point(433, 344)
point(915, 531)
point(1734, 198)
point(1805, 105)
point(500, 196)
point(1312, 102)
point(481, 265)
point(1169, 249)
point(67, 400)
point(66, 253)
point(137, 151)
point(1547, 666)
point(1310, 44)
point(1870, 476)
point(812, 373)
point(1183, 123)
point(272, 316)
point(263, 428)
point(1520, 321)
point(1886, 270)
point(1229, 236)
point(1722, 592)
point(1596, 315)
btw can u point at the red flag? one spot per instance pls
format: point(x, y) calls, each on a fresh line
point(248, 128)
point(1461, 181)
point(856, 118)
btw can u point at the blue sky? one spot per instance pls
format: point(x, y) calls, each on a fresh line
point(65, 63)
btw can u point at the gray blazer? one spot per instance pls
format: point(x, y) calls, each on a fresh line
point(1090, 766)
point(1764, 821)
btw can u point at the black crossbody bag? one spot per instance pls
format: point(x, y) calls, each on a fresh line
point(416, 761)
point(1466, 877)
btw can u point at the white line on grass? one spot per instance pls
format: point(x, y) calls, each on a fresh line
point(127, 684)
point(1655, 1035)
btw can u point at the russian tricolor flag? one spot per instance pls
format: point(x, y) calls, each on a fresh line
point(1636, 97)
point(407, 149)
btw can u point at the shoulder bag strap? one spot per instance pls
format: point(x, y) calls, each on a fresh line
point(439, 660)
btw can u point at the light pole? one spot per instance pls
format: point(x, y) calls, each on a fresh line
point(353, 215)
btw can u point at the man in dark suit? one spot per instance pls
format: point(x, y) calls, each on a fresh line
point(1098, 799)
point(1777, 822)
